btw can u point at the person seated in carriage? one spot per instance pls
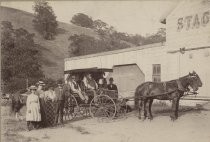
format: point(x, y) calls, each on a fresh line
point(102, 83)
point(112, 86)
point(90, 85)
point(75, 89)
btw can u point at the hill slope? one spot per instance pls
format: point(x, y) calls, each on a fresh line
point(53, 51)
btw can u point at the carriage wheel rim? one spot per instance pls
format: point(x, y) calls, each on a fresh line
point(105, 106)
point(68, 112)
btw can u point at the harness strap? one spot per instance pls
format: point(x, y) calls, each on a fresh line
point(164, 86)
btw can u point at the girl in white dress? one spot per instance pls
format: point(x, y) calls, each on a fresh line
point(33, 115)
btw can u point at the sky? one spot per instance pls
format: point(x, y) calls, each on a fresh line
point(132, 17)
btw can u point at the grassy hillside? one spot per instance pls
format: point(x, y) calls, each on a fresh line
point(53, 51)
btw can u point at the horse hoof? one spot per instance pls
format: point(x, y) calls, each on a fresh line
point(173, 118)
point(144, 118)
point(150, 118)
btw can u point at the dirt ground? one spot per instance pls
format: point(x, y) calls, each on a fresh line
point(193, 125)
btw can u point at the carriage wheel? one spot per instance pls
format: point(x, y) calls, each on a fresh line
point(104, 107)
point(71, 108)
point(84, 111)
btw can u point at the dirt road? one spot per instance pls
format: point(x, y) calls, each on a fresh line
point(193, 126)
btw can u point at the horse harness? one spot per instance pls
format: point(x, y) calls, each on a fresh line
point(179, 85)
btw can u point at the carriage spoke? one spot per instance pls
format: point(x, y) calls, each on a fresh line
point(105, 107)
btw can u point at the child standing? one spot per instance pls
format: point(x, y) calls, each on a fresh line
point(33, 115)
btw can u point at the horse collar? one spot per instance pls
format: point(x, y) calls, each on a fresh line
point(180, 86)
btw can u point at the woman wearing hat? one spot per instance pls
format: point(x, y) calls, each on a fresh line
point(50, 103)
point(41, 94)
point(33, 115)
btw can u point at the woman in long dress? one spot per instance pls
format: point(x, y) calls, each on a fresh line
point(41, 94)
point(50, 109)
point(33, 115)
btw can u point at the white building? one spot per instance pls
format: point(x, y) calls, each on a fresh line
point(187, 27)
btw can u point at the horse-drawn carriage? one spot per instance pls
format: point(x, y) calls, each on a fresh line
point(107, 104)
point(110, 105)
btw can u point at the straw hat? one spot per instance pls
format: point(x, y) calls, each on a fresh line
point(32, 87)
point(41, 83)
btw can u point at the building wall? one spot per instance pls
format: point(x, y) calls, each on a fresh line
point(127, 78)
point(188, 26)
point(144, 58)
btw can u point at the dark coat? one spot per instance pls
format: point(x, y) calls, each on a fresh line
point(60, 95)
point(112, 87)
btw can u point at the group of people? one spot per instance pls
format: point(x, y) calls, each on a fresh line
point(45, 106)
point(89, 86)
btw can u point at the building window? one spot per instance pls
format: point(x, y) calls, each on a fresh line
point(156, 75)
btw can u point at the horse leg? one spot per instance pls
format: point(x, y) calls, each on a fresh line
point(145, 108)
point(177, 108)
point(175, 105)
point(140, 108)
point(150, 112)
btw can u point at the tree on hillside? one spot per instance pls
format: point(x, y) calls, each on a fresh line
point(159, 36)
point(82, 20)
point(83, 45)
point(45, 20)
point(109, 38)
point(20, 57)
point(100, 25)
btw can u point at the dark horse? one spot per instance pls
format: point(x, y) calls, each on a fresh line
point(18, 101)
point(171, 90)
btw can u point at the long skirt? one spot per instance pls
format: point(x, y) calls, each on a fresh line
point(43, 122)
point(50, 113)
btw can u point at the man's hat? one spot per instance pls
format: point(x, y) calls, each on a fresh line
point(111, 79)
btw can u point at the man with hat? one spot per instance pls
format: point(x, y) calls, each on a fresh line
point(111, 85)
point(60, 100)
point(75, 88)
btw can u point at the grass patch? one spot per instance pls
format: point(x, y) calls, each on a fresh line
point(10, 128)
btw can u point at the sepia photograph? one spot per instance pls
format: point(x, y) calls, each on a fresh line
point(105, 71)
